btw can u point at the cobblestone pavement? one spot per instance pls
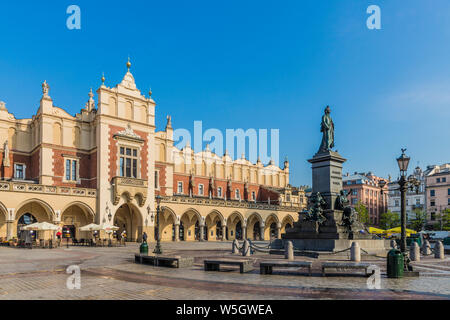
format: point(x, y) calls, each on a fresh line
point(110, 274)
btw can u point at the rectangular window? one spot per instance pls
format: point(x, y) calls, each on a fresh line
point(397, 203)
point(253, 195)
point(237, 193)
point(128, 163)
point(448, 191)
point(433, 216)
point(219, 192)
point(438, 180)
point(448, 201)
point(354, 201)
point(156, 179)
point(68, 166)
point(444, 179)
point(355, 192)
point(71, 170)
point(19, 171)
point(180, 187)
point(200, 189)
point(432, 203)
point(432, 193)
point(417, 201)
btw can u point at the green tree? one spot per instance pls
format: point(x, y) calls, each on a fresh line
point(389, 220)
point(420, 220)
point(363, 213)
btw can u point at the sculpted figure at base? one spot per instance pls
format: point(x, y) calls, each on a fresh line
point(316, 211)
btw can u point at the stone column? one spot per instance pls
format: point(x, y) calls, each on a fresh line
point(177, 232)
point(9, 229)
point(279, 231)
point(244, 231)
point(202, 232)
point(262, 226)
point(224, 233)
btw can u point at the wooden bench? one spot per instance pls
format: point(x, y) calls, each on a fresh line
point(266, 267)
point(164, 261)
point(214, 265)
point(346, 265)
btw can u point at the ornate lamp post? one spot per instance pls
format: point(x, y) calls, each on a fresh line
point(158, 249)
point(405, 183)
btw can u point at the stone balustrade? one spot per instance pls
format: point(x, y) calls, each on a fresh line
point(228, 203)
point(37, 188)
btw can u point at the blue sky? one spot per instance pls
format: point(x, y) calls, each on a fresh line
point(251, 64)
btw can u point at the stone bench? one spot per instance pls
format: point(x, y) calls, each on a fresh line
point(345, 265)
point(266, 267)
point(214, 265)
point(164, 261)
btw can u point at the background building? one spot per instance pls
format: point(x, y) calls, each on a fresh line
point(437, 191)
point(107, 164)
point(364, 187)
point(414, 200)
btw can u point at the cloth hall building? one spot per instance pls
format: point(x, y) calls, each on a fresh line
point(107, 164)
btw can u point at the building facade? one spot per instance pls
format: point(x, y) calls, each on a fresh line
point(107, 164)
point(437, 191)
point(414, 200)
point(365, 188)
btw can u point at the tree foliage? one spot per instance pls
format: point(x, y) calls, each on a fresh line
point(389, 220)
point(419, 222)
point(363, 212)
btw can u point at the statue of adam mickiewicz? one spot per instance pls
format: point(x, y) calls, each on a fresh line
point(327, 128)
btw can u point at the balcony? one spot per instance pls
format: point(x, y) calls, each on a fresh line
point(131, 188)
point(24, 187)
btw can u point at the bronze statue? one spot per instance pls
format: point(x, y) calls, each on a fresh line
point(342, 201)
point(327, 128)
point(316, 211)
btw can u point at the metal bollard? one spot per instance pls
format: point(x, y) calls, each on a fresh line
point(414, 251)
point(355, 252)
point(289, 251)
point(439, 250)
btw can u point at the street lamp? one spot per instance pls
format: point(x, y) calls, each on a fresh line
point(158, 249)
point(404, 183)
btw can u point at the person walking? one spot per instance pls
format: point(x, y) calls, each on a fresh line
point(144, 237)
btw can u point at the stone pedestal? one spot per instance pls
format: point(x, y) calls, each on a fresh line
point(327, 176)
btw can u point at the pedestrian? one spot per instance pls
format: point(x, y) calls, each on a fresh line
point(144, 237)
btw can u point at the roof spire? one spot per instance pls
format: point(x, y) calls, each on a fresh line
point(128, 64)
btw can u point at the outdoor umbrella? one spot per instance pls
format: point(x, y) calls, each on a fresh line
point(89, 227)
point(41, 226)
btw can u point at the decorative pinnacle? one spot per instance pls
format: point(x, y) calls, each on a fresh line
point(150, 92)
point(103, 78)
point(128, 64)
point(91, 94)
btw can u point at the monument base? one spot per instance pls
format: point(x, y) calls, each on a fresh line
point(371, 246)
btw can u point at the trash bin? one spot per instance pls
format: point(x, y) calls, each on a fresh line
point(144, 248)
point(395, 264)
